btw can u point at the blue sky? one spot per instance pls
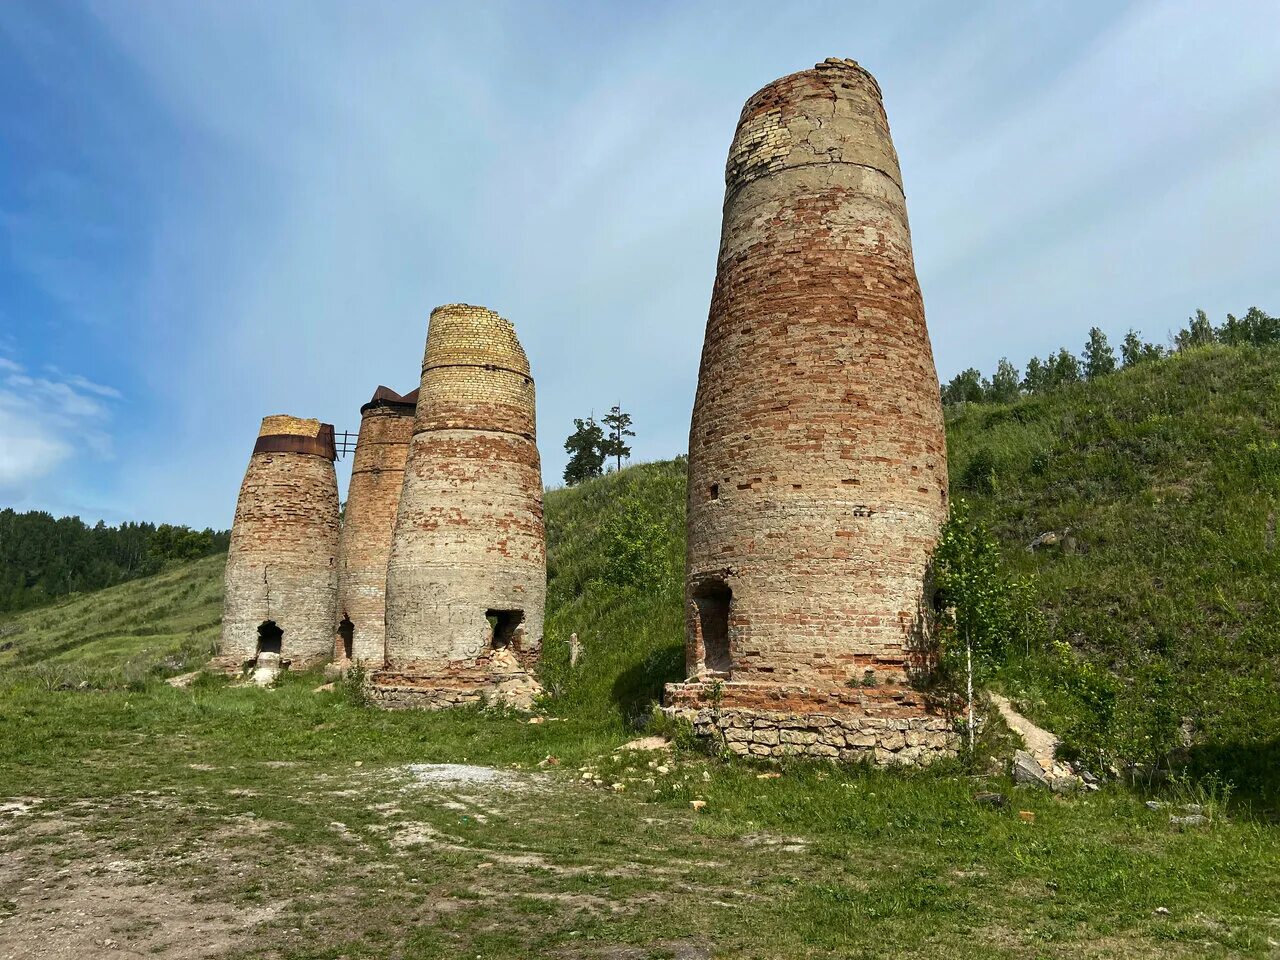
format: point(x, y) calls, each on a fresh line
point(211, 211)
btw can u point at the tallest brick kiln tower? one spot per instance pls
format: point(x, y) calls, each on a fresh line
point(817, 462)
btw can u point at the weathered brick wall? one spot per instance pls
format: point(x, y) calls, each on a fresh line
point(377, 475)
point(282, 561)
point(817, 462)
point(469, 535)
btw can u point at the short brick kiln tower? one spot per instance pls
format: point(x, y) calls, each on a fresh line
point(377, 475)
point(817, 461)
point(467, 575)
point(282, 574)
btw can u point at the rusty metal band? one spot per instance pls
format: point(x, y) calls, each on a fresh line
point(318, 446)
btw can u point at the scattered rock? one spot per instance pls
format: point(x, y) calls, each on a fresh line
point(536, 720)
point(1155, 804)
point(1060, 540)
point(697, 804)
point(1027, 770)
point(648, 743)
point(1193, 820)
point(183, 680)
point(1027, 816)
point(1163, 911)
point(988, 799)
point(324, 688)
point(772, 775)
point(549, 761)
point(618, 787)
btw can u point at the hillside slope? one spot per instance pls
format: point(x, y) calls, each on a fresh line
point(1168, 478)
point(163, 623)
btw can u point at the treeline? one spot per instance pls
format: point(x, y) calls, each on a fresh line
point(43, 557)
point(1098, 359)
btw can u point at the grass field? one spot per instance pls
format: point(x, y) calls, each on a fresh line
point(139, 820)
point(242, 822)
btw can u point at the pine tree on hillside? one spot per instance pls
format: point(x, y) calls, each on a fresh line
point(615, 442)
point(585, 447)
point(1099, 358)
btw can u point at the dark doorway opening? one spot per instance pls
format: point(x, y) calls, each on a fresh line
point(503, 627)
point(270, 637)
point(346, 637)
point(713, 599)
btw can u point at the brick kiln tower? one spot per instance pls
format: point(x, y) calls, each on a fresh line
point(467, 579)
point(377, 474)
point(817, 461)
point(282, 575)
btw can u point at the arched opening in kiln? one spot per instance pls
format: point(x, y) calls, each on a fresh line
point(503, 627)
point(270, 637)
point(713, 599)
point(346, 638)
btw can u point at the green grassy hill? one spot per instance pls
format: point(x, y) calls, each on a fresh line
point(1168, 478)
point(165, 623)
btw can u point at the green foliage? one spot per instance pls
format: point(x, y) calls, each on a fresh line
point(353, 686)
point(1168, 476)
point(615, 577)
point(618, 428)
point(43, 558)
point(1062, 369)
point(991, 612)
point(585, 447)
point(1004, 385)
point(1198, 333)
point(965, 387)
point(1099, 358)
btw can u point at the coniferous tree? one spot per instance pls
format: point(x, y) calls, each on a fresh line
point(585, 447)
point(618, 426)
point(1099, 358)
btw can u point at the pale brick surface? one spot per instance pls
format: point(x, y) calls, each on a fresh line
point(377, 475)
point(469, 534)
point(817, 462)
point(282, 560)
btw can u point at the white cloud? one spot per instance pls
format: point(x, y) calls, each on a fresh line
point(45, 423)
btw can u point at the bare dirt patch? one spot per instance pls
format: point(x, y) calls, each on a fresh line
point(93, 909)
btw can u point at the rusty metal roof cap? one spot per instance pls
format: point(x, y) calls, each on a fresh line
point(386, 397)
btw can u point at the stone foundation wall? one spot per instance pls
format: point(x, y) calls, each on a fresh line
point(882, 740)
point(282, 561)
point(884, 725)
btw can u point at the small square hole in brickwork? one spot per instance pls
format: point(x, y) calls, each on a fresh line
point(504, 626)
point(715, 491)
point(713, 599)
point(270, 637)
point(346, 638)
